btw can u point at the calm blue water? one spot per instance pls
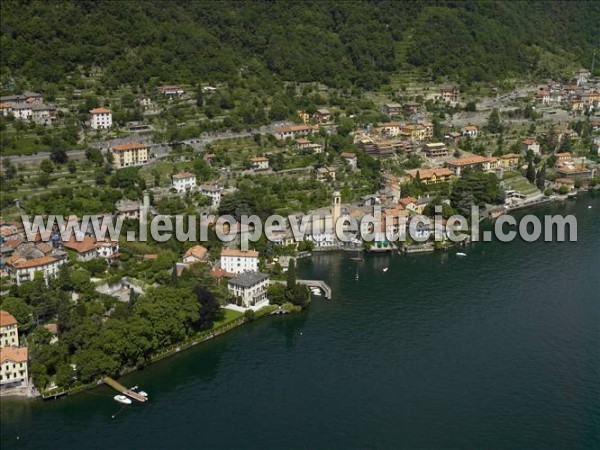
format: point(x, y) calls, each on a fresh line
point(499, 350)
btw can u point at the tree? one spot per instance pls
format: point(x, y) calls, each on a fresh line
point(276, 294)
point(71, 166)
point(530, 174)
point(494, 125)
point(291, 275)
point(299, 295)
point(209, 306)
point(250, 315)
point(95, 156)
point(46, 166)
point(43, 179)
point(59, 156)
point(540, 181)
point(566, 144)
point(471, 106)
point(20, 310)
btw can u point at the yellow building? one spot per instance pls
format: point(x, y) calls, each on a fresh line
point(431, 176)
point(13, 367)
point(13, 359)
point(132, 154)
point(9, 335)
point(509, 160)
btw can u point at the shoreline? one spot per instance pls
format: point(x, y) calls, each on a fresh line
point(207, 335)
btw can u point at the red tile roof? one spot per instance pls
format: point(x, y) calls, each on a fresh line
point(197, 251)
point(14, 354)
point(469, 160)
point(129, 146)
point(99, 111)
point(6, 319)
point(37, 262)
point(240, 253)
point(181, 175)
point(87, 244)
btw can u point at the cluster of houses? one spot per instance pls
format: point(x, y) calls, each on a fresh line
point(29, 107)
point(449, 94)
point(184, 182)
point(579, 97)
point(23, 257)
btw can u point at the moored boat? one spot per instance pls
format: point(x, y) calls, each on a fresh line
point(122, 399)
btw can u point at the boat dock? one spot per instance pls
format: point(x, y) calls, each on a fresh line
point(123, 390)
point(318, 284)
point(312, 283)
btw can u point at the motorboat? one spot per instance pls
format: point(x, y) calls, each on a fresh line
point(461, 254)
point(385, 269)
point(122, 399)
point(143, 393)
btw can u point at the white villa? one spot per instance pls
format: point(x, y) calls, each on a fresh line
point(101, 119)
point(251, 287)
point(212, 191)
point(239, 261)
point(184, 182)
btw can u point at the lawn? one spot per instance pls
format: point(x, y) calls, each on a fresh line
point(228, 315)
point(520, 184)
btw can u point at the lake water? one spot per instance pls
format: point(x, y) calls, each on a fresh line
point(498, 350)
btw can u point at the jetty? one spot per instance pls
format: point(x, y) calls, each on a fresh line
point(318, 284)
point(123, 390)
point(312, 283)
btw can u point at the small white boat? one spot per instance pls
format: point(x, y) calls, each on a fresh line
point(143, 393)
point(461, 254)
point(316, 291)
point(590, 207)
point(122, 399)
point(385, 269)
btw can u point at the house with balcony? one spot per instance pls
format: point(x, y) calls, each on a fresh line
point(101, 119)
point(435, 150)
point(212, 191)
point(130, 154)
point(293, 131)
point(260, 163)
point(239, 261)
point(250, 288)
point(183, 182)
point(431, 176)
point(21, 270)
point(392, 109)
point(457, 166)
point(13, 368)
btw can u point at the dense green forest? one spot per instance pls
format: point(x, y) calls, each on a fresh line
point(337, 43)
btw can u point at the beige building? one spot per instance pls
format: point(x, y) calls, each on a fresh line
point(431, 176)
point(472, 162)
point(9, 335)
point(13, 359)
point(22, 270)
point(13, 367)
point(128, 155)
point(435, 150)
